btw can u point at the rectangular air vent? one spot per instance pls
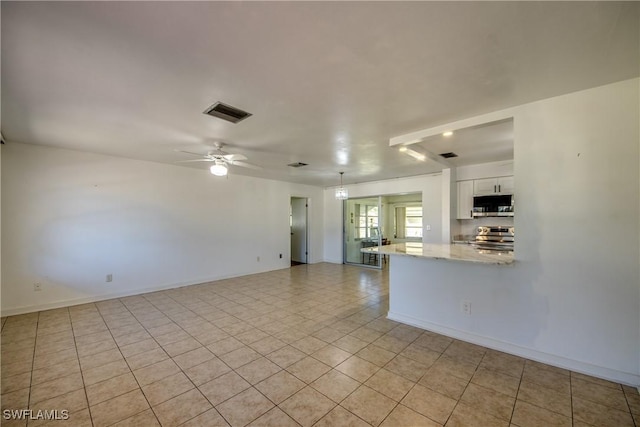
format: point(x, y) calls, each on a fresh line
point(297, 164)
point(448, 155)
point(226, 112)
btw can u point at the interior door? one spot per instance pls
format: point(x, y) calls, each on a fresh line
point(299, 251)
point(362, 229)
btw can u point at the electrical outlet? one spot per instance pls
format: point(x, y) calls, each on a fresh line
point(428, 228)
point(109, 278)
point(465, 307)
point(37, 286)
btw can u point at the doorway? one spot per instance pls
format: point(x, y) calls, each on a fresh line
point(298, 221)
point(363, 228)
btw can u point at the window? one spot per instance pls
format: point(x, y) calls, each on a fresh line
point(367, 220)
point(408, 222)
point(413, 222)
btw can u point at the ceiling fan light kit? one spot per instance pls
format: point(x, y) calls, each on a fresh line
point(221, 160)
point(219, 169)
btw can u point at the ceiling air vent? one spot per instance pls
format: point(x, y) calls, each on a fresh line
point(297, 164)
point(448, 155)
point(226, 112)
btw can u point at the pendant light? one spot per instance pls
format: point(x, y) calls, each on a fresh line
point(341, 193)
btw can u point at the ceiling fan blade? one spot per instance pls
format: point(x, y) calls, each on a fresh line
point(191, 152)
point(195, 160)
point(245, 165)
point(234, 157)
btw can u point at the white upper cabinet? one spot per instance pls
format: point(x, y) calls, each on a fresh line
point(487, 186)
point(465, 199)
point(505, 185)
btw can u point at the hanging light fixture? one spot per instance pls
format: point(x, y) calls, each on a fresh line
point(219, 168)
point(341, 193)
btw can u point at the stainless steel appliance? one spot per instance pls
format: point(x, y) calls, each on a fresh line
point(495, 237)
point(497, 205)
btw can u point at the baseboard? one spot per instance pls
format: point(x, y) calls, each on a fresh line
point(104, 297)
point(627, 378)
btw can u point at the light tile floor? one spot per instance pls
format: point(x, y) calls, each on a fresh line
point(304, 346)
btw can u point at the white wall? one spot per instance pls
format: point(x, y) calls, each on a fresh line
point(432, 199)
point(572, 298)
point(70, 218)
point(576, 176)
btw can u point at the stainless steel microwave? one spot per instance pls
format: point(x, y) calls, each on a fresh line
point(496, 205)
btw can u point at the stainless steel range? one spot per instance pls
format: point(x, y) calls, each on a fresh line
point(495, 237)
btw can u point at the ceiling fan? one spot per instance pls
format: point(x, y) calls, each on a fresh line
point(221, 160)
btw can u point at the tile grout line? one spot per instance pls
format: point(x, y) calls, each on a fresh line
point(33, 362)
point(570, 398)
point(181, 370)
point(84, 386)
point(515, 402)
point(128, 366)
point(465, 387)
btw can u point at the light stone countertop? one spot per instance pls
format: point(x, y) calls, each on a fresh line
point(452, 252)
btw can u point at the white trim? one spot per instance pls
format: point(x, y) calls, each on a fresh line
point(529, 353)
point(418, 136)
point(397, 179)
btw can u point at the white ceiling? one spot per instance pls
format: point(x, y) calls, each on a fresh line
point(488, 142)
point(328, 83)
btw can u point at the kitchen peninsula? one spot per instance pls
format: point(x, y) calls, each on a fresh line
point(451, 252)
point(452, 289)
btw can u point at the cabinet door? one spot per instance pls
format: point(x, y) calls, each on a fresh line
point(482, 187)
point(505, 185)
point(465, 199)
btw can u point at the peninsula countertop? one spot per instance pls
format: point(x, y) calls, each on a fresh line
point(451, 252)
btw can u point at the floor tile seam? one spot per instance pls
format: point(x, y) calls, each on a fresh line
point(397, 403)
point(458, 400)
point(335, 405)
point(134, 377)
point(355, 415)
point(84, 386)
point(332, 369)
point(530, 380)
point(602, 404)
point(131, 416)
point(33, 361)
point(588, 379)
point(231, 397)
point(196, 416)
point(152, 336)
point(177, 395)
point(609, 390)
point(515, 402)
point(403, 396)
point(630, 410)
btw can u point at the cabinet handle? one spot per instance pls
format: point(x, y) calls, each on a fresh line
point(494, 189)
point(471, 213)
point(499, 188)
